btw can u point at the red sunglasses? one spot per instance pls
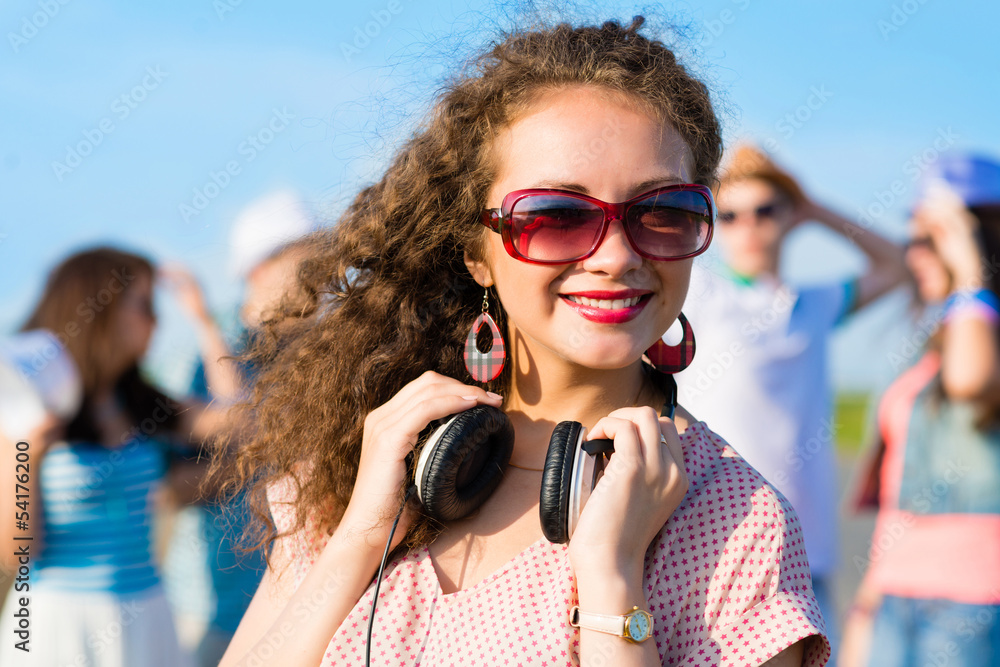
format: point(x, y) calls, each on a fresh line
point(558, 227)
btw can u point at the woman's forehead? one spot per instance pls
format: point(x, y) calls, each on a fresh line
point(582, 135)
point(747, 189)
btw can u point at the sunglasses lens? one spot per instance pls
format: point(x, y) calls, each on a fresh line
point(767, 211)
point(555, 228)
point(671, 224)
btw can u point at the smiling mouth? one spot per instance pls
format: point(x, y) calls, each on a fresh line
point(605, 304)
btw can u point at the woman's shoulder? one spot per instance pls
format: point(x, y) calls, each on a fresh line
point(710, 460)
point(722, 483)
point(296, 546)
point(282, 495)
point(732, 519)
point(734, 545)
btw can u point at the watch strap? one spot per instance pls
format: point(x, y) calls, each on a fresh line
point(612, 625)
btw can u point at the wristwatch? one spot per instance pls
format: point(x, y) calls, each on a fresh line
point(635, 626)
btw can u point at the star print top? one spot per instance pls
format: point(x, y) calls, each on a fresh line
point(727, 582)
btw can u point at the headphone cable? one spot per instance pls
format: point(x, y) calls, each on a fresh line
point(378, 577)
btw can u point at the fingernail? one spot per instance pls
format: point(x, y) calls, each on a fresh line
point(495, 397)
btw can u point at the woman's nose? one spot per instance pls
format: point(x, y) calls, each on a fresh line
point(615, 256)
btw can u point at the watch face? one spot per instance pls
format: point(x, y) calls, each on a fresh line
point(639, 626)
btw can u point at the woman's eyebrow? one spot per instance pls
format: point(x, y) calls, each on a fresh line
point(555, 184)
point(645, 186)
point(662, 181)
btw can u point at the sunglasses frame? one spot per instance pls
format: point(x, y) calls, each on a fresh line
point(759, 213)
point(498, 220)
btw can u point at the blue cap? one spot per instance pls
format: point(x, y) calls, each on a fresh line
point(974, 178)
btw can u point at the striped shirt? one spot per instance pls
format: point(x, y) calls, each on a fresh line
point(98, 508)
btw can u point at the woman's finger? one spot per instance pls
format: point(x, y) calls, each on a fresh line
point(435, 382)
point(426, 411)
point(439, 399)
point(628, 445)
point(672, 439)
point(397, 424)
point(648, 430)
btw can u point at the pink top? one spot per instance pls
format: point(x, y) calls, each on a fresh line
point(931, 556)
point(727, 583)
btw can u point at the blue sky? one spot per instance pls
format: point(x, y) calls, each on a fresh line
point(851, 95)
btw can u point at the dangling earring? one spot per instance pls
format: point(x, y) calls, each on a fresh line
point(673, 358)
point(485, 366)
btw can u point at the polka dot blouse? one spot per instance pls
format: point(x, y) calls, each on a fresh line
point(727, 582)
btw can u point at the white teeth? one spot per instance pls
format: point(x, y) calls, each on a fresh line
point(605, 304)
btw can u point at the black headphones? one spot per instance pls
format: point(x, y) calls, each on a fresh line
point(463, 460)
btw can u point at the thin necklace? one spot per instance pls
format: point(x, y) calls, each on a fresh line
point(635, 402)
point(514, 465)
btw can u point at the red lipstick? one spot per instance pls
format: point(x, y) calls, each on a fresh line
point(600, 305)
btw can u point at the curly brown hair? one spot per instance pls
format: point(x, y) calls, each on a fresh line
point(387, 295)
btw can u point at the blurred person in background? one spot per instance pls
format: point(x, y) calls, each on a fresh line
point(95, 593)
point(206, 542)
point(760, 375)
point(931, 594)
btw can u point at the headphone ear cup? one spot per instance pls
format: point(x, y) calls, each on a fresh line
point(557, 476)
point(463, 462)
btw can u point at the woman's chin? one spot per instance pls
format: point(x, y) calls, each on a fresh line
point(612, 360)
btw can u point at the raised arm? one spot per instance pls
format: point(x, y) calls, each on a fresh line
point(223, 375)
point(202, 420)
point(886, 265)
point(969, 355)
point(970, 360)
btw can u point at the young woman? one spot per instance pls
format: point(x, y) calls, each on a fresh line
point(761, 377)
point(932, 590)
point(502, 204)
point(95, 595)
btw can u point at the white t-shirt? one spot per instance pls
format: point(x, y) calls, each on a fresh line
point(759, 379)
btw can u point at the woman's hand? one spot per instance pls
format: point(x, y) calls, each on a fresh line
point(952, 228)
point(642, 485)
point(390, 433)
point(185, 288)
point(805, 210)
